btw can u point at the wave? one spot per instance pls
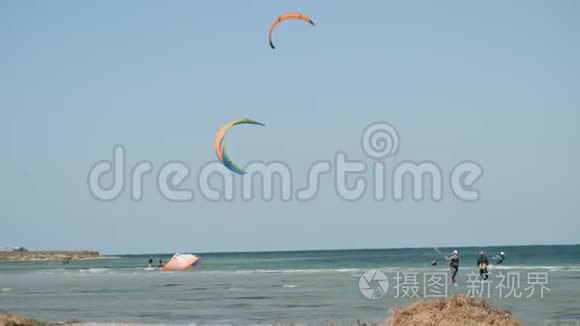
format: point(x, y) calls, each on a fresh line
point(322, 270)
point(278, 271)
point(94, 270)
point(556, 268)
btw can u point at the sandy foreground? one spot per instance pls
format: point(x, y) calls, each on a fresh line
point(49, 255)
point(456, 311)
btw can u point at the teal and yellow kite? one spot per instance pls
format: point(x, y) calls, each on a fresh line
point(220, 144)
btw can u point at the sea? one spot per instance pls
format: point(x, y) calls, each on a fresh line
point(538, 284)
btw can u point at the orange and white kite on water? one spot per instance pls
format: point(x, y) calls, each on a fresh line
point(290, 15)
point(181, 262)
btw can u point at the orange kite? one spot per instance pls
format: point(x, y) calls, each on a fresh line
point(290, 15)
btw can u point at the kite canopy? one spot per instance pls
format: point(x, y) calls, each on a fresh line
point(290, 15)
point(220, 144)
point(181, 262)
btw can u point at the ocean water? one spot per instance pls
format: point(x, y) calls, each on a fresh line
point(274, 287)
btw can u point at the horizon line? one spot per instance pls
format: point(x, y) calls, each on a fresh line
point(337, 249)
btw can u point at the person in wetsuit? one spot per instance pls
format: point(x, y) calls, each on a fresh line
point(150, 261)
point(454, 265)
point(499, 258)
point(482, 263)
point(160, 262)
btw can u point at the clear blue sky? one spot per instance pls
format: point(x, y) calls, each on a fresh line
point(496, 82)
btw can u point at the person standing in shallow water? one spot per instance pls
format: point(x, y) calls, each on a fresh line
point(482, 263)
point(160, 262)
point(454, 265)
point(150, 262)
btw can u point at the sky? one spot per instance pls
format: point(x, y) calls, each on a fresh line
point(492, 82)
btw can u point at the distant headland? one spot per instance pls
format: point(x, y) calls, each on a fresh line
point(49, 255)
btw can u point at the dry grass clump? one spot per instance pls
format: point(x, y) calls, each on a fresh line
point(15, 320)
point(456, 311)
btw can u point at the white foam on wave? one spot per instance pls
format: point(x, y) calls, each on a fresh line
point(336, 270)
point(557, 268)
point(6, 289)
point(290, 286)
point(281, 271)
point(236, 289)
point(95, 270)
point(305, 271)
point(346, 270)
point(147, 268)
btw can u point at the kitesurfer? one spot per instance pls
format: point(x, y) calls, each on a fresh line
point(499, 258)
point(454, 265)
point(482, 263)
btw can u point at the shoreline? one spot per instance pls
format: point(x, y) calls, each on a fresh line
point(24, 256)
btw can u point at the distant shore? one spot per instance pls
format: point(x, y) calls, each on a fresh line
point(49, 255)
